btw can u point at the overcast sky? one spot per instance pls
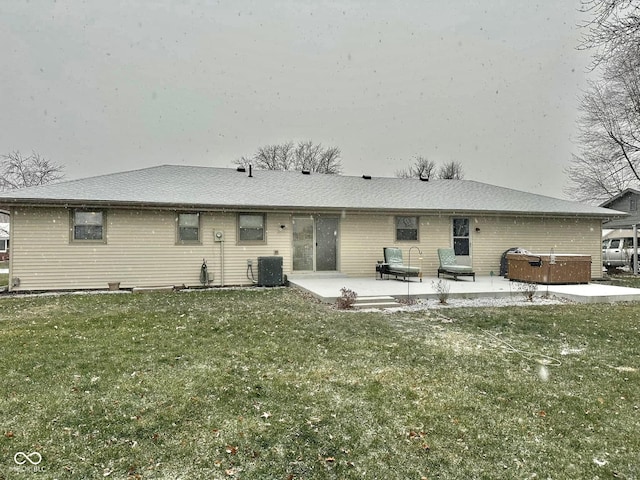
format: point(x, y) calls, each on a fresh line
point(101, 87)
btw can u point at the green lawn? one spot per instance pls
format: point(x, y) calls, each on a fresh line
point(261, 384)
point(624, 279)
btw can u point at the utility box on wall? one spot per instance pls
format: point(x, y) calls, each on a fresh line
point(270, 272)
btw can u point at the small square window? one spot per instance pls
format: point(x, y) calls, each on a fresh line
point(88, 225)
point(188, 227)
point(406, 228)
point(251, 227)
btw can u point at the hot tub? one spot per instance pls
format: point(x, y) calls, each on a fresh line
point(549, 269)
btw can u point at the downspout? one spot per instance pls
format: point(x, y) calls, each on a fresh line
point(10, 284)
point(218, 237)
point(222, 262)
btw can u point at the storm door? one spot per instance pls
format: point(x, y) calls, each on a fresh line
point(461, 240)
point(315, 244)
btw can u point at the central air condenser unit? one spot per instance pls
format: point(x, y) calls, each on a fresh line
point(270, 272)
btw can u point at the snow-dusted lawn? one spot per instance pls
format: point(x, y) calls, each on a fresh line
point(268, 383)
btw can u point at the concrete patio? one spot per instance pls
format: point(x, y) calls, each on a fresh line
point(327, 288)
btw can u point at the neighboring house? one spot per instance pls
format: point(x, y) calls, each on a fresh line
point(627, 201)
point(4, 241)
point(155, 226)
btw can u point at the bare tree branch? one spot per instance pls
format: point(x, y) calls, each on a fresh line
point(18, 171)
point(451, 171)
point(420, 168)
point(613, 26)
point(289, 156)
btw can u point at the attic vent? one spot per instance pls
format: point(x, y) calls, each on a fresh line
point(366, 177)
point(241, 169)
point(306, 172)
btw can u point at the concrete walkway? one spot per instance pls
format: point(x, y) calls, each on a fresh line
point(327, 288)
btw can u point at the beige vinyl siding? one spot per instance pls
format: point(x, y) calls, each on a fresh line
point(140, 250)
point(141, 247)
point(538, 235)
point(364, 236)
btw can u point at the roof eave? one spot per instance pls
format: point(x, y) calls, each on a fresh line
point(79, 203)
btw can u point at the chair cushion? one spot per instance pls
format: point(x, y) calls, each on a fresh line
point(393, 256)
point(457, 268)
point(403, 269)
point(447, 256)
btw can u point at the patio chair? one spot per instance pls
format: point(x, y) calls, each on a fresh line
point(394, 265)
point(449, 266)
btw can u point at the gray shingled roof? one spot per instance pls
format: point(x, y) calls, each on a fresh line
point(208, 187)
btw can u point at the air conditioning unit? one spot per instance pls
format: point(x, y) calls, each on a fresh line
point(270, 272)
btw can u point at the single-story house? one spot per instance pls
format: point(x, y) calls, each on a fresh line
point(155, 226)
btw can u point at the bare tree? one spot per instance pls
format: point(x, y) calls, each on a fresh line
point(613, 26)
point(289, 156)
point(17, 171)
point(420, 168)
point(451, 171)
point(609, 132)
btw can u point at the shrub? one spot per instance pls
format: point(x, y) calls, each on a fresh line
point(528, 290)
point(347, 299)
point(442, 289)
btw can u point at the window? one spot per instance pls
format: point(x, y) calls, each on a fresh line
point(88, 225)
point(633, 204)
point(188, 227)
point(4, 245)
point(461, 236)
point(251, 227)
point(406, 228)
